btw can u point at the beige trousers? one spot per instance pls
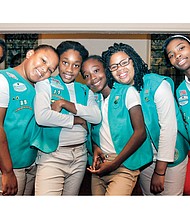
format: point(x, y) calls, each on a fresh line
point(120, 182)
point(26, 179)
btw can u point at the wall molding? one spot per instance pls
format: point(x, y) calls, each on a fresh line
point(112, 28)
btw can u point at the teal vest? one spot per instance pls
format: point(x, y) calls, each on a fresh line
point(183, 95)
point(19, 124)
point(60, 91)
point(151, 84)
point(121, 129)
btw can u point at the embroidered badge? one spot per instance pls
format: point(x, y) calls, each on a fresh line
point(11, 75)
point(182, 92)
point(16, 98)
point(176, 155)
point(146, 95)
point(19, 87)
point(116, 99)
point(183, 100)
point(56, 84)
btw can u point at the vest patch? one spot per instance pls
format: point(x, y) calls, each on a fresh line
point(56, 84)
point(183, 100)
point(19, 87)
point(176, 155)
point(116, 99)
point(182, 92)
point(146, 98)
point(11, 75)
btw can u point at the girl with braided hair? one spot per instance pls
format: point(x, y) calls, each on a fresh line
point(118, 142)
point(164, 123)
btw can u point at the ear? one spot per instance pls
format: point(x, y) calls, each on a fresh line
point(29, 54)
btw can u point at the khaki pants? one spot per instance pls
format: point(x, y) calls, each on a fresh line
point(26, 179)
point(117, 183)
point(174, 180)
point(61, 172)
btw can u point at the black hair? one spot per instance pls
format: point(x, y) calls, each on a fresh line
point(4, 47)
point(94, 57)
point(74, 45)
point(168, 40)
point(140, 67)
point(46, 46)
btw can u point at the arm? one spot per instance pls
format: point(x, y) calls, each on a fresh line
point(91, 112)
point(9, 181)
point(44, 114)
point(168, 132)
point(62, 103)
point(98, 157)
point(131, 146)
point(132, 103)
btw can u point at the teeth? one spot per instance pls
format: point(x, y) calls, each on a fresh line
point(122, 75)
point(181, 62)
point(96, 84)
point(39, 73)
point(68, 76)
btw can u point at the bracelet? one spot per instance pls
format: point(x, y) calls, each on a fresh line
point(159, 174)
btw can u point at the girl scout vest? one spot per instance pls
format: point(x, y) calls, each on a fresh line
point(121, 129)
point(151, 84)
point(60, 91)
point(19, 124)
point(183, 95)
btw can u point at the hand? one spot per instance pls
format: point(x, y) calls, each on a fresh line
point(84, 125)
point(56, 105)
point(80, 121)
point(98, 158)
point(104, 168)
point(157, 184)
point(9, 184)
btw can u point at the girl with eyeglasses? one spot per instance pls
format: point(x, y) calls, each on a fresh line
point(164, 123)
point(120, 139)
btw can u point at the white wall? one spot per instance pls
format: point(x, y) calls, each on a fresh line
point(96, 46)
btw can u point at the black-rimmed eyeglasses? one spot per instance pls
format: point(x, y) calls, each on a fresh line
point(122, 63)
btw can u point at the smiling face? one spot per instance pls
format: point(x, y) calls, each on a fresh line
point(94, 75)
point(178, 52)
point(124, 74)
point(69, 65)
point(40, 64)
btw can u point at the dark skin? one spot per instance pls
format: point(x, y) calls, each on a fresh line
point(37, 66)
point(69, 106)
point(131, 146)
point(178, 50)
point(157, 182)
point(9, 181)
point(69, 67)
point(95, 79)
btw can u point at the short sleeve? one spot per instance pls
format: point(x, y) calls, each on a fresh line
point(4, 92)
point(132, 98)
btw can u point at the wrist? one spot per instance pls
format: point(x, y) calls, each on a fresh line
point(61, 103)
point(159, 174)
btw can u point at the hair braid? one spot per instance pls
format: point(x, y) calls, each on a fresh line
point(140, 67)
